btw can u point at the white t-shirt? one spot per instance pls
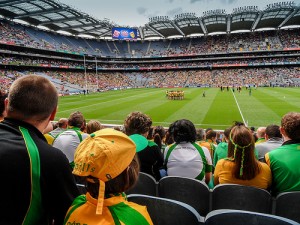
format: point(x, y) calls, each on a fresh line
point(186, 161)
point(67, 142)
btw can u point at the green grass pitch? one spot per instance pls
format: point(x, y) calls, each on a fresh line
point(217, 110)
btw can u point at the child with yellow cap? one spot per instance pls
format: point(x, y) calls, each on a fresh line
point(107, 158)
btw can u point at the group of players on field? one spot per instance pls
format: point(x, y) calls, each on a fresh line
point(175, 95)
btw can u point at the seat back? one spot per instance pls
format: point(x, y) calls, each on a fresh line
point(287, 205)
point(166, 211)
point(145, 185)
point(238, 217)
point(234, 196)
point(190, 191)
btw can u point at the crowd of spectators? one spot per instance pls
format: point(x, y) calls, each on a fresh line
point(12, 35)
point(103, 81)
point(238, 42)
point(43, 61)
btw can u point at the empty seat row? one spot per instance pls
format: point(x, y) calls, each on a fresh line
point(171, 212)
point(225, 196)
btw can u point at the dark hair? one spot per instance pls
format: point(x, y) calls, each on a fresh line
point(2, 105)
point(169, 138)
point(211, 134)
point(32, 96)
point(137, 123)
point(290, 122)
point(150, 134)
point(117, 128)
point(227, 132)
point(183, 130)
point(208, 129)
point(159, 133)
point(76, 119)
point(83, 127)
point(273, 131)
point(238, 123)
point(241, 151)
point(124, 181)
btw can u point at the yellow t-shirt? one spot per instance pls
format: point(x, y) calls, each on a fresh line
point(49, 138)
point(84, 213)
point(223, 175)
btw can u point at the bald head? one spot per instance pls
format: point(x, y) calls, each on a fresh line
point(261, 131)
point(62, 123)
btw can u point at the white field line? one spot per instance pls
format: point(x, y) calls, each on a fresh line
point(239, 108)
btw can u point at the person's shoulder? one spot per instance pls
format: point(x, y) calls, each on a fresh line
point(204, 148)
point(222, 145)
point(151, 143)
point(84, 135)
point(50, 153)
point(49, 138)
point(265, 168)
point(222, 161)
point(277, 151)
point(141, 209)
point(225, 162)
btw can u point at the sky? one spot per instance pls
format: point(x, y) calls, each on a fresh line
point(137, 12)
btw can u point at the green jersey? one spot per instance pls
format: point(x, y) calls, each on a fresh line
point(284, 163)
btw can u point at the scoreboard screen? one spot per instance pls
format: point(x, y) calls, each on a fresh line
point(122, 33)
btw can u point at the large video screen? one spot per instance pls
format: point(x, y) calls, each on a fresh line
point(123, 33)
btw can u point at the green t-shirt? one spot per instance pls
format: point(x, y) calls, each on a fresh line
point(284, 163)
point(221, 152)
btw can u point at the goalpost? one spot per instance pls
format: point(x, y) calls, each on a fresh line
point(92, 87)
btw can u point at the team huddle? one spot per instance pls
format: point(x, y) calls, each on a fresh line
point(175, 95)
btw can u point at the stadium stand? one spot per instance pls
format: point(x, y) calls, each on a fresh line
point(75, 65)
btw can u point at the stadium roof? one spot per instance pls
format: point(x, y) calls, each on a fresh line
point(62, 18)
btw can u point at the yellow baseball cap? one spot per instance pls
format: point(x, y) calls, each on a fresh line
point(104, 155)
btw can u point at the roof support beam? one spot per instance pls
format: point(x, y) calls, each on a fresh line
point(141, 31)
point(228, 30)
point(178, 29)
point(288, 18)
point(202, 26)
point(256, 21)
point(155, 31)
